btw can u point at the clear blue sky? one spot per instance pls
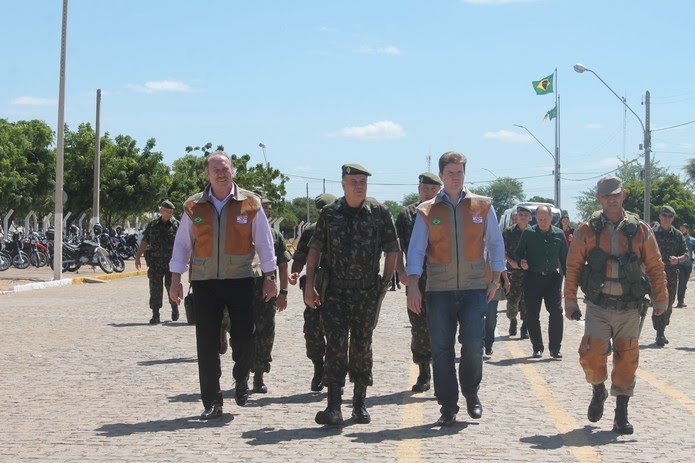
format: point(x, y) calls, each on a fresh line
point(382, 83)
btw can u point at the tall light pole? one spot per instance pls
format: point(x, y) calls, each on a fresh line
point(97, 164)
point(556, 171)
point(58, 227)
point(263, 146)
point(580, 68)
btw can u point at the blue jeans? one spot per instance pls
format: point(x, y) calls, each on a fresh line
point(447, 310)
point(490, 323)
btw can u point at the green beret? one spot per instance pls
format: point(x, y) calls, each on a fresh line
point(430, 179)
point(324, 200)
point(355, 169)
point(523, 209)
point(667, 210)
point(609, 185)
point(167, 204)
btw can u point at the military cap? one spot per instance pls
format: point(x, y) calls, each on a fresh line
point(685, 225)
point(355, 169)
point(523, 209)
point(167, 204)
point(667, 210)
point(609, 185)
point(429, 178)
point(324, 200)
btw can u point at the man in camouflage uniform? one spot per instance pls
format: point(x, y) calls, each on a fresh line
point(515, 299)
point(158, 243)
point(350, 234)
point(313, 330)
point(685, 267)
point(673, 252)
point(429, 185)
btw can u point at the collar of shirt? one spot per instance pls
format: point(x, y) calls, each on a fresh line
point(445, 197)
point(219, 204)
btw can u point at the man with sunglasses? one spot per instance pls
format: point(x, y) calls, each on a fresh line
point(673, 253)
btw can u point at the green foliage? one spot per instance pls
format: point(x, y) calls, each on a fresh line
point(505, 193)
point(27, 167)
point(540, 199)
point(394, 208)
point(667, 190)
point(188, 178)
point(410, 198)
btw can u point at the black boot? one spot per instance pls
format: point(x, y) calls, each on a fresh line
point(259, 386)
point(660, 337)
point(512, 327)
point(332, 414)
point(620, 422)
point(359, 411)
point(423, 379)
point(155, 317)
point(596, 406)
point(524, 330)
point(317, 380)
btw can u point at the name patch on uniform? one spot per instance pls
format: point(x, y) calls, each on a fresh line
point(242, 218)
point(197, 219)
point(436, 221)
point(477, 219)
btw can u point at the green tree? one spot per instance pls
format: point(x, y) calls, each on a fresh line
point(393, 207)
point(78, 167)
point(410, 198)
point(667, 190)
point(27, 167)
point(188, 178)
point(505, 193)
point(540, 199)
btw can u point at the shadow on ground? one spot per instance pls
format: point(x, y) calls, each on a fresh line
point(519, 361)
point(177, 424)
point(147, 363)
point(128, 325)
point(581, 437)
point(422, 431)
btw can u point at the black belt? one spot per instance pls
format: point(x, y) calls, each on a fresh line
point(615, 302)
point(545, 274)
point(363, 283)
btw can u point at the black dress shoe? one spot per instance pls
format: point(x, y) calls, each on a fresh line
point(447, 419)
point(241, 393)
point(556, 354)
point(212, 411)
point(474, 407)
point(537, 353)
point(488, 351)
point(174, 314)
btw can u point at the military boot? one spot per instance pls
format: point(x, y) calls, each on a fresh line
point(332, 415)
point(259, 386)
point(596, 406)
point(155, 317)
point(359, 411)
point(512, 327)
point(620, 422)
point(423, 379)
point(317, 380)
point(661, 340)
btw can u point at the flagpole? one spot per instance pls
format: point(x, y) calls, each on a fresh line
point(557, 143)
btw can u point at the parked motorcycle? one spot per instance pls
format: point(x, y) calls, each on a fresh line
point(87, 252)
point(107, 243)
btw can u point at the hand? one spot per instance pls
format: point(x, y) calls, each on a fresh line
point(569, 311)
point(658, 312)
point(524, 264)
point(293, 277)
point(507, 284)
point(512, 263)
point(491, 290)
point(402, 277)
point(281, 302)
point(414, 299)
point(176, 292)
point(137, 262)
point(673, 260)
point(269, 289)
point(311, 296)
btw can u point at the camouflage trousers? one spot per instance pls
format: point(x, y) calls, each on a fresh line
point(516, 302)
point(264, 332)
point(419, 332)
point(313, 331)
point(159, 278)
point(349, 317)
point(662, 321)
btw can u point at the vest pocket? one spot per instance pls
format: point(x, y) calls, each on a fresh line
point(198, 265)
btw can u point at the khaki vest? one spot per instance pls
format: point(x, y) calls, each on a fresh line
point(223, 245)
point(455, 248)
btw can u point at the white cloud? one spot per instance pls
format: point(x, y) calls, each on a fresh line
point(387, 50)
point(382, 130)
point(507, 136)
point(161, 86)
point(328, 29)
point(496, 2)
point(592, 125)
point(34, 101)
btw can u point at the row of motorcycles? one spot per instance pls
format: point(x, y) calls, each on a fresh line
point(107, 249)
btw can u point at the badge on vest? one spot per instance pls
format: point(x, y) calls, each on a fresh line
point(477, 219)
point(436, 221)
point(197, 220)
point(243, 219)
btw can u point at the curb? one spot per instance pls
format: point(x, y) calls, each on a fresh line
point(72, 281)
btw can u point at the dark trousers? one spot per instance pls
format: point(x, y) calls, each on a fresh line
point(210, 298)
point(683, 276)
point(539, 288)
point(490, 323)
point(264, 328)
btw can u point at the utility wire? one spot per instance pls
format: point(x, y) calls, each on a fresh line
point(673, 126)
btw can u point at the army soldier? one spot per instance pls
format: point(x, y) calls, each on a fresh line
point(515, 299)
point(313, 330)
point(429, 186)
point(350, 235)
point(685, 267)
point(157, 244)
point(264, 311)
point(605, 259)
point(673, 252)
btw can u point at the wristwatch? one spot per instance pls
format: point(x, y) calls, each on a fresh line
point(270, 277)
point(283, 292)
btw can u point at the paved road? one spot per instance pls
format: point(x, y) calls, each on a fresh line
point(85, 378)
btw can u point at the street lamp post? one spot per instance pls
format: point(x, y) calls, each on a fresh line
point(556, 171)
point(580, 68)
point(263, 146)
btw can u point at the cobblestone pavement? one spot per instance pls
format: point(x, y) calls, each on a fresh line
point(85, 378)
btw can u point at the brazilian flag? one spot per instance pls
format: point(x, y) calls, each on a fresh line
point(552, 114)
point(543, 86)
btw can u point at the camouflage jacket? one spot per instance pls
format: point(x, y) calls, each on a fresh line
point(160, 237)
point(671, 243)
point(511, 237)
point(351, 240)
point(302, 251)
point(404, 225)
